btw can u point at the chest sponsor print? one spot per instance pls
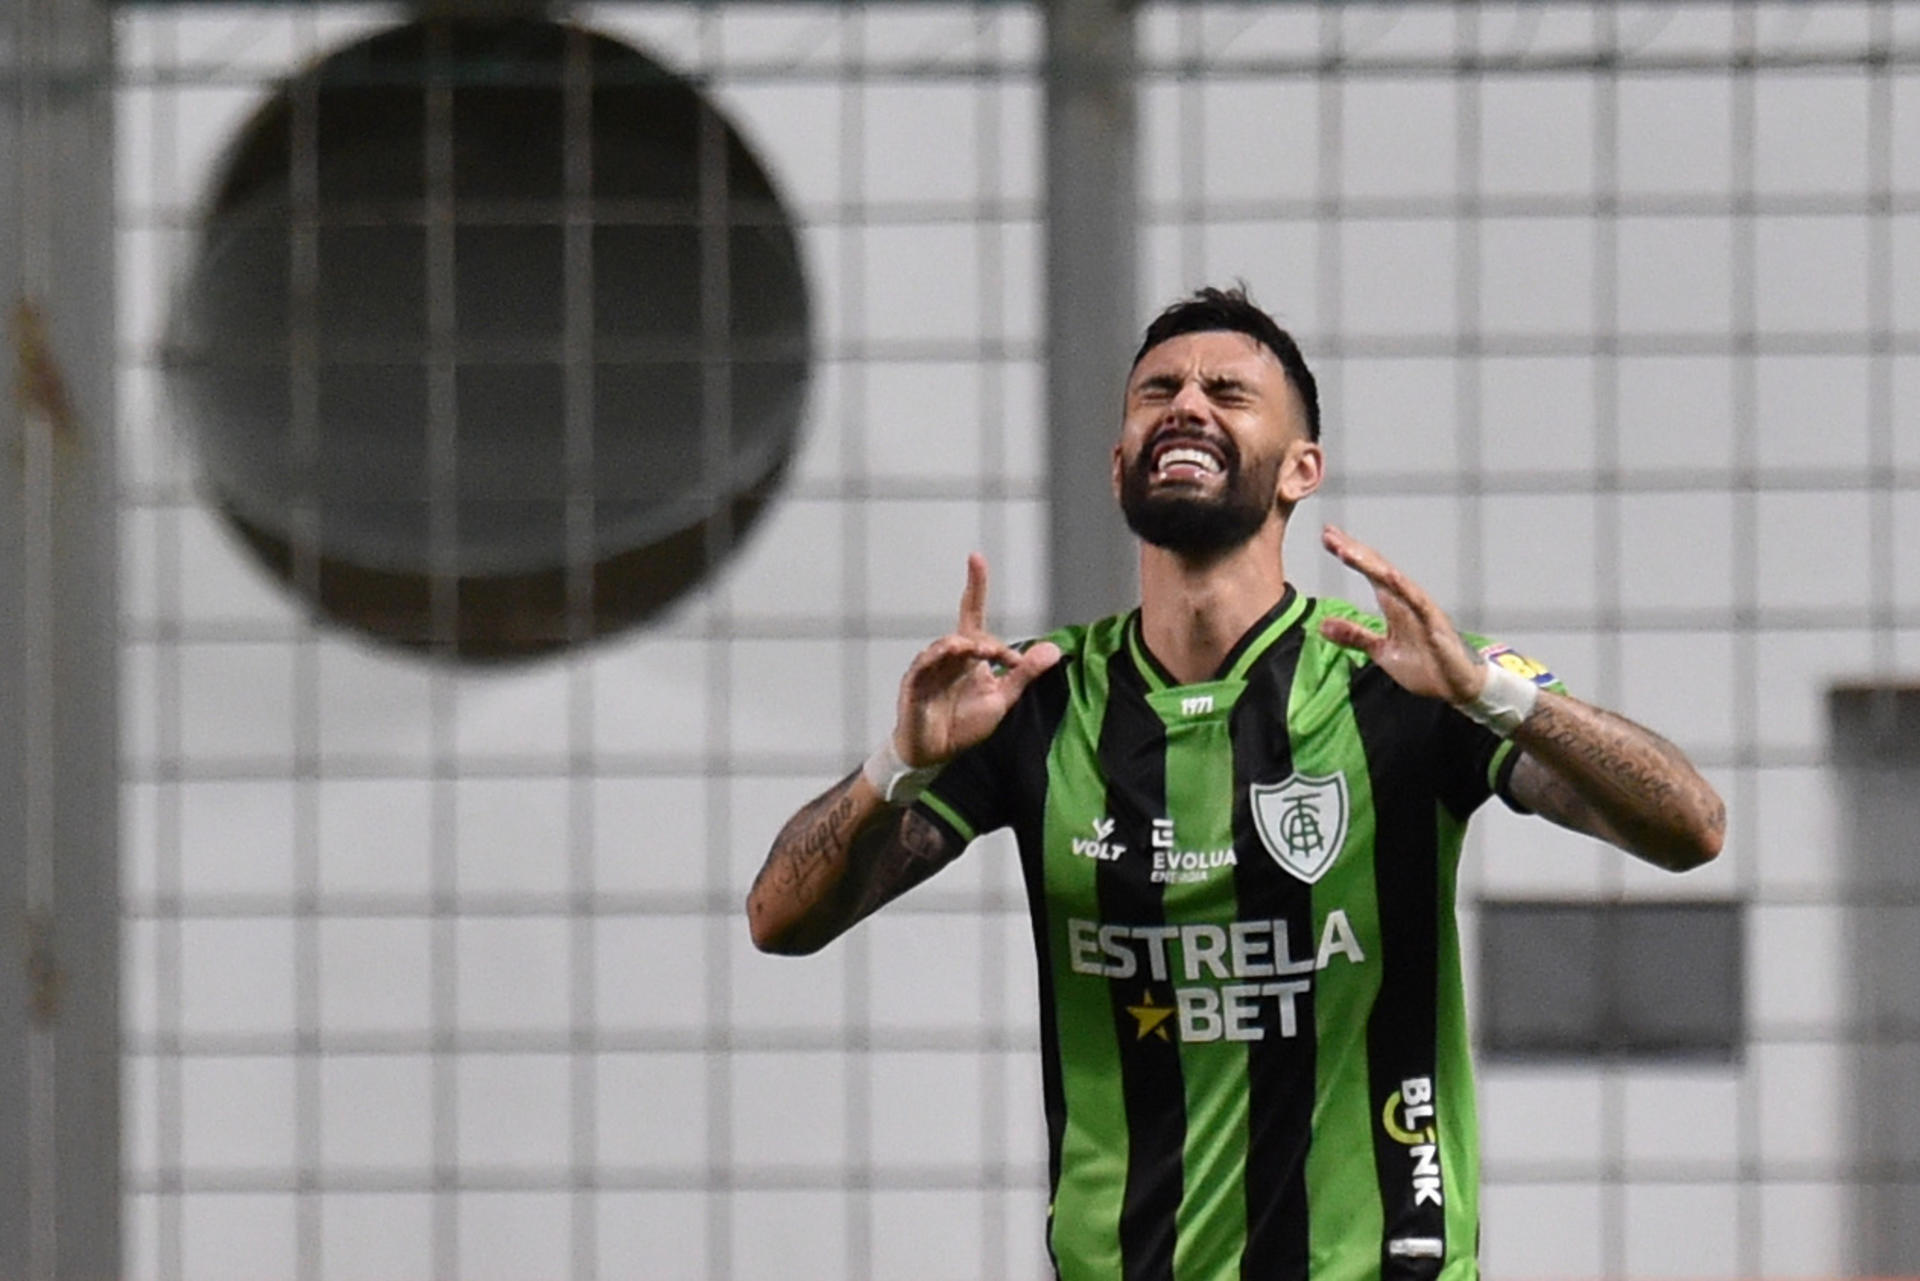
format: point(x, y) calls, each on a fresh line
point(1302, 821)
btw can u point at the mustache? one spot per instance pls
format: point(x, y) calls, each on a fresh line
point(1220, 442)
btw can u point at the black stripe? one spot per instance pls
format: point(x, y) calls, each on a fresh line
point(1247, 638)
point(1396, 730)
point(1133, 759)
point(1253, 633)
point(1280, 1070)
point(1048, 694)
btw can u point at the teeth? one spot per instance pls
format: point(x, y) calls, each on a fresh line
point(1198, 457)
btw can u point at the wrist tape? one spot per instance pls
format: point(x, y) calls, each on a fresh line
point(897, 782)
point(1506, 701)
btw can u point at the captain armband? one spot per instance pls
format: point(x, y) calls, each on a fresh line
point(897, 782)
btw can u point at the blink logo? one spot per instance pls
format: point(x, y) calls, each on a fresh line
point(1099, 847)
point(1408, 1118)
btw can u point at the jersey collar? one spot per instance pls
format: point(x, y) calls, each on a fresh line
point(1255, 641)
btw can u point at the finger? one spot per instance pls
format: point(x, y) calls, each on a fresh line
point(1362, 559)
point(1350, 635)
point(973, 600)
point(1356, 555)
point(1389, 582)
point(1036, 660)
point(950, 654)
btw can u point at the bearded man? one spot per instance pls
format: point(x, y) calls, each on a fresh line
point(1239, 813)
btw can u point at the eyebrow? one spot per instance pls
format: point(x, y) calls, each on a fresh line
point(1160, 382)
point(1213, 384)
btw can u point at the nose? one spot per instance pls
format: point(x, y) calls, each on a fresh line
point(1189, 404)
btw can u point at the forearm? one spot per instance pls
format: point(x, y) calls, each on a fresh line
point(841, 857)
point(860, 844)
point(1639, 791)
point(800, 890)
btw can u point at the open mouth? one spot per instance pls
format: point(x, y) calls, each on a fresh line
point(1186, 459)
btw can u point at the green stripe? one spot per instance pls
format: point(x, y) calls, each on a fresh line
point(1345, 1221)
point(947, 812)
point(1460, 1133)
point(1093, 1154)
point(1252, 653)
point(1211, 1227)
point(1249, 653)
point(1137, 649)
point(1500, 755)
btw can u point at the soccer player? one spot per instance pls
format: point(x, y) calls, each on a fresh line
point(1239, 814)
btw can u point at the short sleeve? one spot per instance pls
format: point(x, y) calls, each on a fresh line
point(1476, 762)
point(968, 797)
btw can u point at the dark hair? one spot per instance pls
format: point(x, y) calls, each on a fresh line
point(1231, 309)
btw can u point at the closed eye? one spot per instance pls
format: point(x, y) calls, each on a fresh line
point(1228, 391)
point(1158, 387)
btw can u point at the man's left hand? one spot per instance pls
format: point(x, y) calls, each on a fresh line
point(1420, 649)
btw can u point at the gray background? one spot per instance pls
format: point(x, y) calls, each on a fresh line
point(436, 974)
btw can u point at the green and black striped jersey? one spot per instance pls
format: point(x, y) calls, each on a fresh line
point(1252, 1020)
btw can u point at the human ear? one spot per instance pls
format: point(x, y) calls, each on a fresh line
point(1301, 472)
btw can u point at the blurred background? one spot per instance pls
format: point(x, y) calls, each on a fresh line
point(533, 443)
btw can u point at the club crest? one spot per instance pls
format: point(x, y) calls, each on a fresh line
point(1302, 822)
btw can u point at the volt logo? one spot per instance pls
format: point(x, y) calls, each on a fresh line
point(1099, 846)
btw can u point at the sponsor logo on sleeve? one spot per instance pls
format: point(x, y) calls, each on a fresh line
point(1519, 664)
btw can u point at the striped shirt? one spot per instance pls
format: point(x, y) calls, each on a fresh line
point(1242, 897)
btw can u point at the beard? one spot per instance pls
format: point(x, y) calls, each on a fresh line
point(1193, 524)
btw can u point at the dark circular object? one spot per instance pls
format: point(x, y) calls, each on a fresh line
point(496, 338)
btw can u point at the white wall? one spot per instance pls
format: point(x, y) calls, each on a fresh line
point(436, 974)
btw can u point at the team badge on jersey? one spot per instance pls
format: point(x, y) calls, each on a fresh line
point(1302, 821)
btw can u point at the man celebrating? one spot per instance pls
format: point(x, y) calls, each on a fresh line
point(1239, 814)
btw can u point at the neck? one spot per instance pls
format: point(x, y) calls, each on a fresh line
point(1193, 612)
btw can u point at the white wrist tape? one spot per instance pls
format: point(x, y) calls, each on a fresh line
point(1506, 701)
point(897, 782)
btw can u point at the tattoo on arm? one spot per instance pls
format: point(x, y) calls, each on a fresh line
point(804, 850)
point(889, 861)
point(1600, 773)
point(831, 866)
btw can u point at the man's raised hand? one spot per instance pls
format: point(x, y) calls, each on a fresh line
point(1420, 649)
point(957, 689)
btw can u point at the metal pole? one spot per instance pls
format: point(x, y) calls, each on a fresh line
point(1876, 756)
point(59, 877)
point(1091, 252)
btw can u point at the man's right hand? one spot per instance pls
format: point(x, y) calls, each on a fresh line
point(847, 851)
point(958, 688)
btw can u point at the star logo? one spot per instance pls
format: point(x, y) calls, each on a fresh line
point(1151, 1018)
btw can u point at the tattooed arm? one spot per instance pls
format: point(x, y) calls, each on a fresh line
point(1582, 767)
point(843, 856)
point(1596, 772)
